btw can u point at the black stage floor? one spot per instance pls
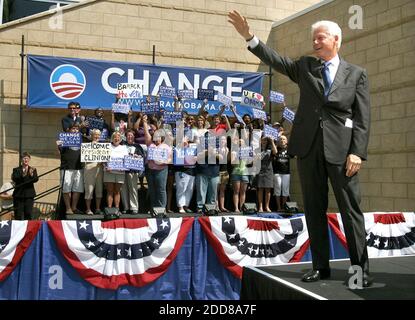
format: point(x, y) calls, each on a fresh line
point(394, 279)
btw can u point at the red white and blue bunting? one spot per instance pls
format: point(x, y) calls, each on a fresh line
point(121, 252)
point(388, 234)
point(15, 239)
point(254, 241)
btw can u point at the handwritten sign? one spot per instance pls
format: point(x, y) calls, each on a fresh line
point(252, 99)
point(246, 153)
point(95, 123)
point(134, 163)
point(270, 132)
point(288, 114)
point(172, 117)
point(203, 94)
point(150, 107)
point(70, 139)
point(259, 114)
point(167, 92)
point(121, 108)
point(186, 94)
point(116, 164)
point(95, 152)
point(222, 98)
point(158, 154)
point(130, 90)
point(276, 97)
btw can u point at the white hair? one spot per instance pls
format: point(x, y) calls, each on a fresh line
point(331, 27)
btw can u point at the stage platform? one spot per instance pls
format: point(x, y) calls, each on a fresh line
point(394, 279)
point(169, 215)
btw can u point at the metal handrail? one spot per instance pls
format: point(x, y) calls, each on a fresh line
point(38, 196)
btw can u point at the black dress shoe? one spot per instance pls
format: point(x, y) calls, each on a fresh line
point(367, 280)
point(315, 275)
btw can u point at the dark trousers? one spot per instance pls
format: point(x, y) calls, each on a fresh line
point(23, 208)
point(314, 173)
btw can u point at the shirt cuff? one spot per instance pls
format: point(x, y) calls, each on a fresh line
point(253, 42)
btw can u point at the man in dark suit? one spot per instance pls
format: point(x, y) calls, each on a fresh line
point(24, 178)
point(329, 137)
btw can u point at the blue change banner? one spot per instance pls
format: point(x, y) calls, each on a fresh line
point(55, 81)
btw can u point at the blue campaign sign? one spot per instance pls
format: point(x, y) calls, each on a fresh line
point(185, 156)
point(54, 81)
point(95, 123)
point(167, 92)
point(203, 94)
point(150, 107)
point(186, 94)
point(70, 139)
point(104, 135)
point(259, 114)
point(121, 108)
point(172, 117)
point(116, 164)
point(158, 154)
point(134, 163)
point(270, 132)
point(276, 97)
point(288, 114)
point(246, 153)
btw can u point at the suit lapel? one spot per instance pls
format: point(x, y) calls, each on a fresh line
point(341, 74)
point(316, 72)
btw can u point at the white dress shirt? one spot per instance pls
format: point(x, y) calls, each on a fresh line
point(333, 64)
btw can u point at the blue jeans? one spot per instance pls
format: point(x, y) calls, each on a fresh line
point(206, 190)
point(157, 180)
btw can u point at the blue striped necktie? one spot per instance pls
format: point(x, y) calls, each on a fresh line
point(326, 78)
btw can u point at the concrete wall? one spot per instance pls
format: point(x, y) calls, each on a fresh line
point(185, 32)
point(386, 48)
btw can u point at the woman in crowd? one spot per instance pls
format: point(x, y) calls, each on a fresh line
point(223, 172)
point(93, 178)
point(23, 195)
point(281, 167)
point(129, 191)
point(239, 177)
point(157, 169)
point(264, 181)
point(113, 178)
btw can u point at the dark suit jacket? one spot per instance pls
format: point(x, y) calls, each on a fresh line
point(28, 189)
point(348, 99)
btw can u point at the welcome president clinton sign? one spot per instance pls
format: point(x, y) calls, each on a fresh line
point(54, 81)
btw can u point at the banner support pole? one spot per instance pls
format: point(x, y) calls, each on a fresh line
point(22, 56)
point(154, 54)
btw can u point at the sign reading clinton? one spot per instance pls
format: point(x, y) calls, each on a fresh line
point(93, 83)
point(67, 82)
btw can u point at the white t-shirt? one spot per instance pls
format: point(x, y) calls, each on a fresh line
point(6, 204)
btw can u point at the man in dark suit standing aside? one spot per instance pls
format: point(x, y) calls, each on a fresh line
point(329, 137)
point(24, 178)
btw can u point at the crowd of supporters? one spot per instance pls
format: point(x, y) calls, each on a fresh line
point(215, 173)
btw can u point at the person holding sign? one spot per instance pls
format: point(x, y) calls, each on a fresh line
point(330, 137)
point(23, 195)
point(114, 172)
point(159, 155)
point(281, 167)
point(129, 191)
point(72, 177)
point(93, 179)
point(263, 181)
point(239, 176)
